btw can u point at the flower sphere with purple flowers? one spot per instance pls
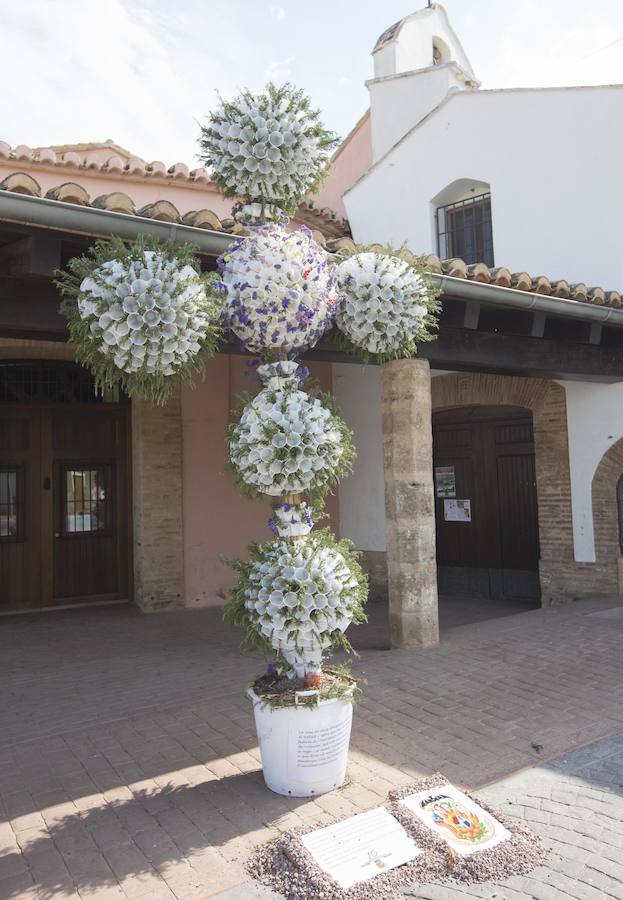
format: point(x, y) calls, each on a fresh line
point(281, 291)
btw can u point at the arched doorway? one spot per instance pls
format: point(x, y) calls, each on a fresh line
point(64, 488)
point(486, 503)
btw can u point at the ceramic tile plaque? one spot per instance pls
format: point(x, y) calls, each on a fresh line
point(458, 820)
point(361, 847)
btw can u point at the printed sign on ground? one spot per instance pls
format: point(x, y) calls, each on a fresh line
point(457, 819)
point(361, 847)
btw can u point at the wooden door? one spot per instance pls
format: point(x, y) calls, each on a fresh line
point(493, 550)
point(64, 490)
point(90, 504)
point(20, 508)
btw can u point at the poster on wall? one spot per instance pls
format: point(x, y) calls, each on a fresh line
point(460, 821)
point(445, 481)
point(457, 510)
point(361, 847)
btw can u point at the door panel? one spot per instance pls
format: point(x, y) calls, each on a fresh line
point(20, 521)
point(496, 554)
point(63, 504)
point(90, 504)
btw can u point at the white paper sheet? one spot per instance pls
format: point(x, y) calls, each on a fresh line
point(361, 847)
point(457, 819)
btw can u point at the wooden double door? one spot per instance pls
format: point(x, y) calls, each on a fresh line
point(486, 503)
point(63, 504)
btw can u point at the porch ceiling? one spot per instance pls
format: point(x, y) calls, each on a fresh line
point(485, 327)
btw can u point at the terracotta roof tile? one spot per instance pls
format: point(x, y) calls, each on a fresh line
point(164, 210)
point(121, 163)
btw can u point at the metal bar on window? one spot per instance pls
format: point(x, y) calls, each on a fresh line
point(464, 230)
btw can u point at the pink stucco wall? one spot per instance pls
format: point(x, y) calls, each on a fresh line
point(184, 195)
point(350, 162)
point(219, 522)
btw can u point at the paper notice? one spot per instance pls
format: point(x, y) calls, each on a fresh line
point(361, 847)
point(457, 510)
point(457, 819)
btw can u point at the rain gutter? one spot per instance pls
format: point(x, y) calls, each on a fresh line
point(493, 295)
point(90, 222)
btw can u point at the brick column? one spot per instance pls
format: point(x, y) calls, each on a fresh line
point(157, 504)
point(409, 503)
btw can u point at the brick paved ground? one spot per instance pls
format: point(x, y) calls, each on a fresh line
point(575, 803)
point(128, 760)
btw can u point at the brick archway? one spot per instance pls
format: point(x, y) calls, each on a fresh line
point(546, 400)
point(605, 516)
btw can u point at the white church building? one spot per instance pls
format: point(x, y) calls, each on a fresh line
point(518, 192)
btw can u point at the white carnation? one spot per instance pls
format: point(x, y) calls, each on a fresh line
point(384, 302)
point(286, 442)
point(281, 291)
point(133, 304)
point(298, 596)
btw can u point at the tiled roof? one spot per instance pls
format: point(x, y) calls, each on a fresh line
point(116, 161)
point(503, 277)
point(76, 158)
point(328, 230)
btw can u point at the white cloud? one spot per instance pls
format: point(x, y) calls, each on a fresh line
point(278, 13)
point(280, 70)
point(141, 75)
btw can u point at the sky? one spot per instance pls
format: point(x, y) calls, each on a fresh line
point(145, 73)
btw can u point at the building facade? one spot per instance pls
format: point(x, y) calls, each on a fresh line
point(489, 466)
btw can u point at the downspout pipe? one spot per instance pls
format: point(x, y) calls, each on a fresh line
point(510, 298)
point(90, 222)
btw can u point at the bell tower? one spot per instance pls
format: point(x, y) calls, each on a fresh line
point(417, 62)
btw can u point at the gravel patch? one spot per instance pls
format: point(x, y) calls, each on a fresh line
point(286, 866)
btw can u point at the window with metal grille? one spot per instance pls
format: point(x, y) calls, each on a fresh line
point(87, 500)
point(11, 504)
point(464, 230)
point(41, 381)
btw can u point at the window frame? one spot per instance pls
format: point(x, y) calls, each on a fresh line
point(20, 494)
point(108, 475)
point(447, 235)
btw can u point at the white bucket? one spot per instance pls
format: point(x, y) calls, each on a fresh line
point(304, 749)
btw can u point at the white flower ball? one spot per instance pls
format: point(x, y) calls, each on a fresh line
point(384, 303)
point(298, 595)
point(287, 442)
point(149, 313)
point(266, 147)
point(281, 291)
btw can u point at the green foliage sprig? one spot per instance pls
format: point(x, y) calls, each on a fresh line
point(104, 280)
point(269, 148)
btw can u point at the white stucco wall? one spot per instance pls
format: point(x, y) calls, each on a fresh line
point(412, 44)
point(595, 423)
point(556, 189)
point(400, 102)
point(357, 389)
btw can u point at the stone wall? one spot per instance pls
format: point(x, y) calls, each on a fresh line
point(158, 505)
point(562, 578)
point(409, 503)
